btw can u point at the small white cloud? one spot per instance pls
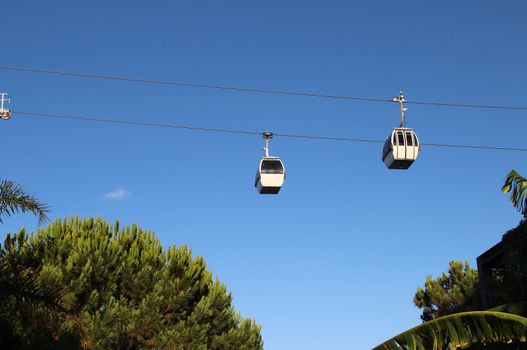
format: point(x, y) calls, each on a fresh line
point(117, 195)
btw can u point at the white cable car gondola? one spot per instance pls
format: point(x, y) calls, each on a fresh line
point(4, 112)
point(402, 146)
point(270, 175)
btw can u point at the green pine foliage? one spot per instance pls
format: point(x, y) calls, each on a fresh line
point(85, 284)
point(456, 292)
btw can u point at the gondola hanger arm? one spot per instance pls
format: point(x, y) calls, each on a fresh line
point(401, 100)
point(267, 135)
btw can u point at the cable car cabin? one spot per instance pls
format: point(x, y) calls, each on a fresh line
point(401, 149)
point(270, 175)
point(5, 114)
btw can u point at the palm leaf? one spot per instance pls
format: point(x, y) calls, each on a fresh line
point(19, 275)
point(14, 199)
point(24, 287)
point(519, 308)
point(517, 186)
point(461, 330)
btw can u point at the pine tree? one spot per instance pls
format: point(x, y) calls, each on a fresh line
point(117, 289)
point(456, 292)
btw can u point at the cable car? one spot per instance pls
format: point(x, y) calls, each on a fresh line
point(400, 149)
point(4, 112)
point(402, 146)
point(270, 175)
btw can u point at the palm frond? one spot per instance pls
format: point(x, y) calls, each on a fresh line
point(20, 278)
point(519, 308)
point(517, 186)
point(461, 330)
point(14, 199)
point(24, 287)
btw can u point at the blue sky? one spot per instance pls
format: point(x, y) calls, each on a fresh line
point(333, 261)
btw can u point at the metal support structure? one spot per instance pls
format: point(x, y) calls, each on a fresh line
point(4, 112)
point(267, 135)
point(400, 99)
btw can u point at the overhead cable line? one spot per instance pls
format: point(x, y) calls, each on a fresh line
point(253, 90)
point(131, 122)
point(248, 132)
point(194, 85)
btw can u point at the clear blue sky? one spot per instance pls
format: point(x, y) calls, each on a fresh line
point(334, 260)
